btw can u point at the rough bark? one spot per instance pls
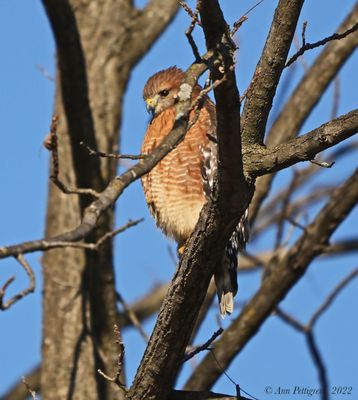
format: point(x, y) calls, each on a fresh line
point(98, 43)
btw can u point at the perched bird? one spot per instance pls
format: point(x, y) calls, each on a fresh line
point(178, 186)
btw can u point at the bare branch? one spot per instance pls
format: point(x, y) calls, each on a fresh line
point(324, 306)
point(305, 97)
point(204, 346)
point(51, 143)
point(318, 361)
point(133, 317)
point(57, 242)
point(284, 211)
point(30, 273)
point(312, 347)
point(116, 379)
point(304, 148)
point(117, 156)
point(90, 246)
point(287, 271)
point(259, 99)
point(307, 330)
point(146, 306)
point(310, 46)
point(243, 18)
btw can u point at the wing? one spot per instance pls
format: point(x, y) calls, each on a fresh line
point(226, 272)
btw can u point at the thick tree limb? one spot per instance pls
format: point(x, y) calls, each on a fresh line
point(284, 274)
point(75, 94)
point(165, 351)
point(218, 36)
point(304, 148)
point(268, 71)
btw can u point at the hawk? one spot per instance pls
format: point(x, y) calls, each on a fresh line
point(179, 185)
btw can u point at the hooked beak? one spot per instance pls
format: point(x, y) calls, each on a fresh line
point(150, 106)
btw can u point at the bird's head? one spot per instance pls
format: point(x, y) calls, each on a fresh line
point(160, 90)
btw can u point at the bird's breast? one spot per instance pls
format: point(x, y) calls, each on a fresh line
point(173, 188)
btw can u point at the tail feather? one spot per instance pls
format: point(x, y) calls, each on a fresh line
point(226, 286)
point(226, 273)
point(226, 304)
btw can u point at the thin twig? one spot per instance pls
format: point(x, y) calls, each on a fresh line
point(30, 273)
point(312, 346)
point(243, 18)
point(116, 379)
point(295, 223)
point(307, 330)
point(324, 306)
point(237, 386)
point(284, 209)
point(93, 246)
point(302, 59)
point(238, 24)
point(194, 15)
point(303, 33)
point(51, 143)
point(198, 102)
point(117, 156)
point(132, 317)
point(310, 46)
point(203, 347)
point(44, 72)
point(194, 20)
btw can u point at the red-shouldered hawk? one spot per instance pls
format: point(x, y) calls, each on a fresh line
point(178, 186)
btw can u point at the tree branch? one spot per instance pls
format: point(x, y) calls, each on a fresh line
point(30, 289)
point(268, 71)
point(310, 46)
point(304, 148)
point(305, 97)
point(284, 275)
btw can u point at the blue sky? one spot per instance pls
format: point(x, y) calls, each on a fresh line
point(277, 356)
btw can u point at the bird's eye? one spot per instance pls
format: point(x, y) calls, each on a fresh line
point(164, 93)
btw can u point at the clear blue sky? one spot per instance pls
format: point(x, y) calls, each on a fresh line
point(277, 355)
